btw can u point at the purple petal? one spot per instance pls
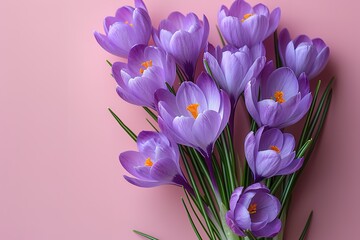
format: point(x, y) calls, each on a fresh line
point(292, 167)
point(164, 170)
point(321, 61)
point(271, 137)
point(140, 4)
point(229, 218)
point(268, 110)
point(235, 197)
point(183, 127)
point(251, 95)
point(274, 21)
point(130, 160)
point(301, 110)
point(270, 230)
point(261, 9)
point(282, 79)
point(305, 58)
point(239, 8)
point(216, 71)
point(289, 144)
point(142, 183)
point(189, 93)
point(250, 153)
point(267, 163)
point(210, 90)
point(107, 45)
point(284, 39)
point(256, 27)
point(206, 129)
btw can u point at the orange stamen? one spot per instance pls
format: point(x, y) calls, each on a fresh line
point(193, 109)
point(130, 24)
point(252, 208)
point(148, 162)
point(275, 148)
point(146, 65)
point(279, 96)
point(246, 16)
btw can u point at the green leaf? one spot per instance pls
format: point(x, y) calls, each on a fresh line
point(170, 88)
point(108, 62)
point(180, 74)
point(122, 124)
point(145, 235)
point(196, 215)
point(152, 125)
point(221, 37)
point(153, 115)
point(276, 48)
point(293, 178)
point(309, 115)
point(250, 235)
point(197, 193)
point(191, 221)
point(306, 228)
point(208, 70)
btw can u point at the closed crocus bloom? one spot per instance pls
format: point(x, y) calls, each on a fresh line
point(284, 98)
point(303, 54)
point(184, 37)
point(196, 115)
point(245, 25)
point(233, 68)
point(148, 69)
point(254, 209)
point(270, 153)
point(129, 27)
point(156, 163)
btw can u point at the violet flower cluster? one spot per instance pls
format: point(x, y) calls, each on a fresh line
point(194, 115)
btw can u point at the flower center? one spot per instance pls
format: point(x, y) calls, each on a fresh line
point(193, 109)
point(246, 16)
point(146, 65)
point(130, 24)
point(148, 162)
point(252, 208)
point(279, 96)
point(275, 148)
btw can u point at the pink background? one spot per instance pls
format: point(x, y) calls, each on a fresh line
point(59, 172)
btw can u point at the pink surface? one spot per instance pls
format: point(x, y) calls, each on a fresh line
point(59, 171)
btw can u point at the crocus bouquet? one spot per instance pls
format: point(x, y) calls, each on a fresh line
point(227, 195)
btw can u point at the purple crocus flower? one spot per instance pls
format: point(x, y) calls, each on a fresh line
point(245, 25)
point(283, 101)
point(156, 163)
point(196, 115)
point(270, 153)
point(129, 27)
point(184, 37)
point(254, 209)
point(148, 69)
point(233, 68)
point(303, 54)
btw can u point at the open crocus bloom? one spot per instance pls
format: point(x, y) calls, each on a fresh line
point(245, 25)
point(129, 27)
point(270, 153)
point(156, 163)
point(233, 68)
point(283, 101)
point(196, 115)
point(184, 37)
point(254, 209)
point(148, 69)
point(303, 54)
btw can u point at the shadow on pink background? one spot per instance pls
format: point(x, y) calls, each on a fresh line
point(59, 172)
